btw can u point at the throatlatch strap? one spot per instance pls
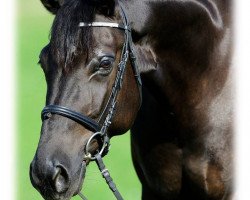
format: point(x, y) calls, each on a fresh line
point(107, 177)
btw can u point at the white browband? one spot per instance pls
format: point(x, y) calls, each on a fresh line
point(104, 24)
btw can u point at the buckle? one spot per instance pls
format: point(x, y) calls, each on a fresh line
point(102, 151)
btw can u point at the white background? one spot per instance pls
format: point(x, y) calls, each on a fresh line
point(242, 65)
point(8, 101)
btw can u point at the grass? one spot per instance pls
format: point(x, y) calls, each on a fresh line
point(33, 29)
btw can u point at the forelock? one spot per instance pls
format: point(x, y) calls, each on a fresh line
point(68, 40)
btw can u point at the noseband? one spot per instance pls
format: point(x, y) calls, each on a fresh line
point(101, 129)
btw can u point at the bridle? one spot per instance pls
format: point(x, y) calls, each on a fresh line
point(101, 130)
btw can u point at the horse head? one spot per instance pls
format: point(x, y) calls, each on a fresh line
point(81, 66)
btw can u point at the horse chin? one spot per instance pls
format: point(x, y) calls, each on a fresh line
point(56, 197)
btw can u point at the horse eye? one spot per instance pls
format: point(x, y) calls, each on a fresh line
point(105, 64)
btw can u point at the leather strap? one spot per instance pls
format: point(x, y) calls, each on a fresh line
point(107, 177)
point(77, 117)
point(82, 196)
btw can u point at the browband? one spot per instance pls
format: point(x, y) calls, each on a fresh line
point(104, 24)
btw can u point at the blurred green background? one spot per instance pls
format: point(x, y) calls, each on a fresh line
point(33, 33)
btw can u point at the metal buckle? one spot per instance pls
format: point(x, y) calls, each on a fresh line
point(103, 151)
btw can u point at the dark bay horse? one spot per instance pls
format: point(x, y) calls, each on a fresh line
point(181, 131)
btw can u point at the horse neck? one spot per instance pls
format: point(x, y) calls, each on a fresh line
point(187, 54)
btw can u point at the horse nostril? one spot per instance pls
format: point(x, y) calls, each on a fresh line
point(60, 179)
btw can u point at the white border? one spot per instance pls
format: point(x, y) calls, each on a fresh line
point(242, 65)
point(7, 82)
point(7, 99)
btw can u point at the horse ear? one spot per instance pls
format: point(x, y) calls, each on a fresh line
point(106, 7)
point(52, 5)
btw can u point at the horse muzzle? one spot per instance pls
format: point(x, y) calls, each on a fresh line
point(54, 180)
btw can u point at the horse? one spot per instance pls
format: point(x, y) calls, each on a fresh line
point(159, 68)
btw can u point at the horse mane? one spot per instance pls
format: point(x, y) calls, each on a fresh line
point(68, 40)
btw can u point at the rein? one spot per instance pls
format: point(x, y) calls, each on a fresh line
point(101, 130)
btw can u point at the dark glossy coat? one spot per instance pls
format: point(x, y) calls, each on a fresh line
point(182, 135)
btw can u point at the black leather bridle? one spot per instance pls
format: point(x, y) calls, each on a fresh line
point(101, 130)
